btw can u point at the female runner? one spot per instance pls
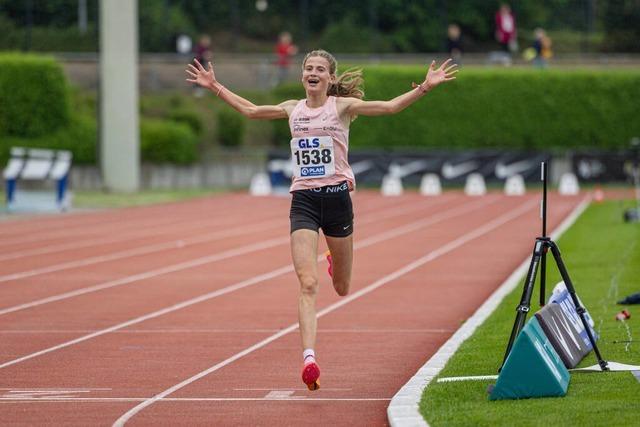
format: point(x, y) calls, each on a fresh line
point(322, 177)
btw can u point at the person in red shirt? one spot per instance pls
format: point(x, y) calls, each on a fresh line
point(506, 28)
point(285, 50)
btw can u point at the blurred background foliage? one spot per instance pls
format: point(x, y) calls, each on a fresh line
point(371, 26)
point(554, 110)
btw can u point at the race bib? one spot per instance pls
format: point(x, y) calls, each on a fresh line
point(313, 157)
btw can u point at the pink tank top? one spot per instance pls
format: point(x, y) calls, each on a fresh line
point(311, 123)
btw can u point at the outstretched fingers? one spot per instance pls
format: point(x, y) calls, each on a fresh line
point(200, 67)
point(445, 64)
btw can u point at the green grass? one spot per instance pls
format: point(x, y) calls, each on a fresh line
point(602, 255)
point(99, 200)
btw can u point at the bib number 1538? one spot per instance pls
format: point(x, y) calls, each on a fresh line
point(313, 157)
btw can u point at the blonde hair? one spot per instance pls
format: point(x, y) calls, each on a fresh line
point(348, 84)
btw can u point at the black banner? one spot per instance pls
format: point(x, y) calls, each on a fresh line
point(598, 166)
point(453, 168)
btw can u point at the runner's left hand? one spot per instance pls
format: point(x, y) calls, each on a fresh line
point(444, 73)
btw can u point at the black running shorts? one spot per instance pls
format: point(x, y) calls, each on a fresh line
point(326, 207)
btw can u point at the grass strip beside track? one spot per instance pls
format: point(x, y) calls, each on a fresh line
point(97, 199)
point(602, 255)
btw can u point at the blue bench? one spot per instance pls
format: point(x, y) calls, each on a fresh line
point(30, 175)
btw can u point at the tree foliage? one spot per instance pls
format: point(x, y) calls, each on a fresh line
point(368, 26)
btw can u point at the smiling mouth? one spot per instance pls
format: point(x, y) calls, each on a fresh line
point(313, 82)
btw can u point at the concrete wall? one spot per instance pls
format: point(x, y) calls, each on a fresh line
point(223, 174)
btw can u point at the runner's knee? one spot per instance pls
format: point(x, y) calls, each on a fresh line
point(308, 285)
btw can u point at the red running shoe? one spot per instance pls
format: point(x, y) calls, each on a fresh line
point(330, 261)
point(310, 375)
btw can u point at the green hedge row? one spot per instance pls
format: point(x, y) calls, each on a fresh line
point(36, 111)
point(161, 141)
point(498, 108)
point(166, 141)
point(34, 96)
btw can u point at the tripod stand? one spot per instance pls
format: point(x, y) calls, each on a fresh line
point(633, 214)
point(542, 245)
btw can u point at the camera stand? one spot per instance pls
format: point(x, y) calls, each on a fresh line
point(542, 245)
point(633, 214)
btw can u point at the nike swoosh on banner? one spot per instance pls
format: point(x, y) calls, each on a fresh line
point(361, 166)
point(505, 171)
point(450, 171)
point(407, 169)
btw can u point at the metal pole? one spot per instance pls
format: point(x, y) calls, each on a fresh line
point(235, 27)
point(373, 27)
point(82, 16)
point(304, 24)
point(29, 22)
point(543, 255)
point(119, 121)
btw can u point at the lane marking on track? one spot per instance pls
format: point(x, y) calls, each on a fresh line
point(122, 239)
point(152, 273)
point(172, 244)
point(45, 393)
point(227, 331)
point(197, 399)
point(447, 214)
point(225, 255)
point(136, 221)
point(281, 394)
point(294, 389)
point(430, 256)
point(143, 250)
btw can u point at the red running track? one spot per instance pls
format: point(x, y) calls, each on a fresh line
point(185, 314)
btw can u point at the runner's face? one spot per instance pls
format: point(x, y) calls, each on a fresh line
point(316, 76)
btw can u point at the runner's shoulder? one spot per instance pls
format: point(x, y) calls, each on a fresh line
point(289, 105)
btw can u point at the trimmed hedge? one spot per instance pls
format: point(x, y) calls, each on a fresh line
point(79, 137)
point(231, 127)
point(165, 141)
point(498, 108)
point(161, 141)
point(34, 95)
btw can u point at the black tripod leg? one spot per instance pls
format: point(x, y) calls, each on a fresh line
point(525, 300)
point(579, 309)
point(543, 276)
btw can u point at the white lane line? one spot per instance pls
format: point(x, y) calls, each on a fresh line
point(403, 409)
point(168, 245)
point(248, 282)
point(42, 238)
point(280, 394)
point(143, 250)
point(77, 244)
point(91, 242)
point(152, 273)
point(430, 256)
point(226, 331)
point(197, 399)
point(294, 389)
point(237, 252)
point(136, 221)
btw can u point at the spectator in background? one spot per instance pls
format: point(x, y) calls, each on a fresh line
point(285, 50)
point(506, 33)
point(542, 47)
point(454, 43)
point(202, 52)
